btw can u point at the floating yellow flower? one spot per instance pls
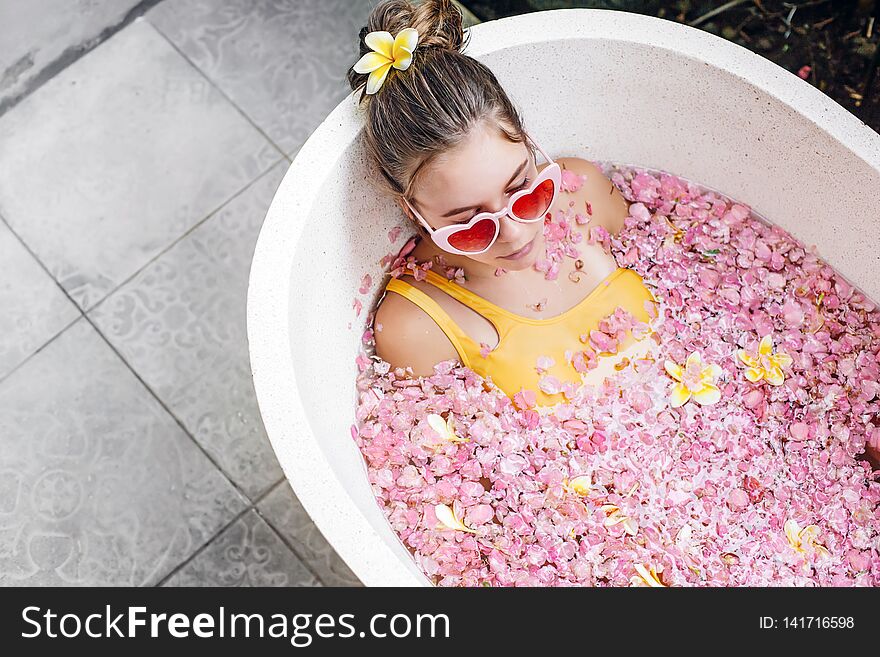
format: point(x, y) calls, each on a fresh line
point(445, 428)
point(387, 51)
point(649, 577)
point(693, 380)
point(614, 516)
point(447, 516)
point(804, 540)
point(580, 485)
point(766, 365)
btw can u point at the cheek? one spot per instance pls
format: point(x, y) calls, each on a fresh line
point(487, 258)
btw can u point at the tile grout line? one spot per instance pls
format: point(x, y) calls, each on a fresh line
point(290, 545)
point(202, 547)
point(167, 409)
point(63, 291)
point(40, 348)
point(283, 538)
point(115, 289)
point(82, 315)
point(73, 54)
point(251, 507)
point(211, 214)
point(67, 58)
point(155, 395)
point(216, 87)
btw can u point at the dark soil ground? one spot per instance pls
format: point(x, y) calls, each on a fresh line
point(832, 44)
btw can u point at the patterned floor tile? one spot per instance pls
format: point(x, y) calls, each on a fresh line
point(282, 63)
point(117, 156)
point(287, 515)
point(98, 485)
point(181, 325)
point(33, 308)
point(247, 553)
point(38, 32)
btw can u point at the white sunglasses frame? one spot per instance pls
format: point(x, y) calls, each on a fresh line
point(440, 236)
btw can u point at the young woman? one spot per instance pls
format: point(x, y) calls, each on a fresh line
point(453, 152)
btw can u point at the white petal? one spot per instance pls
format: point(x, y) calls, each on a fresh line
point(404, 44)
point(370, 62)
point(708, 394)
point(581, 485)
point(377, 77)
point(438, 424)
point(647, 575)
point(446, 516)
point(382, 42)
point(407, 39)
point(403, 61)
point(674, 369)
point(680, 395)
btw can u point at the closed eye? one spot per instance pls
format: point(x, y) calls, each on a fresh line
point(524, 185)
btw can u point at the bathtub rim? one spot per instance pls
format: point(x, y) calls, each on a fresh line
point(268, 329)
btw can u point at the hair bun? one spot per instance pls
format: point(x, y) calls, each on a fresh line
point(446, 30)
point(438, 22)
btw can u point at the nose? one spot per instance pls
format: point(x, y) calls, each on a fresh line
point(513, 232)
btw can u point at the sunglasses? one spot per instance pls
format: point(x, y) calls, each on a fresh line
point(527, 206)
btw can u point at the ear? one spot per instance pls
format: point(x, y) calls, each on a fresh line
point(410, 216)
point(409, 213)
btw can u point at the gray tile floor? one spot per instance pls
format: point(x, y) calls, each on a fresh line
point(140, 146)
point(141, 142)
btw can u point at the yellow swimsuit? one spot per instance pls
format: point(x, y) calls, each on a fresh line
point(522, 340)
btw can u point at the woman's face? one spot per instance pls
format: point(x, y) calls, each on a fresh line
point(480, 176)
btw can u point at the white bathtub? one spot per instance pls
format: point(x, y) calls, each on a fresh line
point(605, 85)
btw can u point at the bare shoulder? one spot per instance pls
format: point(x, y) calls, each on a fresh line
point(608, 205)
point(409, 337)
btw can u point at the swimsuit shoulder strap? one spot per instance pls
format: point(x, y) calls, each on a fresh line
point(478, 304)
point(462, 343)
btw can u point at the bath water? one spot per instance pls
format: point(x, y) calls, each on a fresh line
point(733, 458)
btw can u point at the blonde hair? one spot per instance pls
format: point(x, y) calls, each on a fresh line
point(430, 108)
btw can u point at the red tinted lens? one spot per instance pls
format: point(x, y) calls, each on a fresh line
point(532, 206)
point(475, 238)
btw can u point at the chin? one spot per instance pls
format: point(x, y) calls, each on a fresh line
point(517, 265)
point(521, 263)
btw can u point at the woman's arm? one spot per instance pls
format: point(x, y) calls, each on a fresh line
point(409, 337)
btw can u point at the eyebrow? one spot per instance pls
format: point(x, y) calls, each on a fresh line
point(509, 183)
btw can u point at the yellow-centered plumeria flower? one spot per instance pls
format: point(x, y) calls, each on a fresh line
point(804, 540)
point(445, 428)
point(766, 365)
point(580, 485)
point(614, 516)
point(387, 51)
point(693, 380)
point(447, 516)
point(648, 576)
